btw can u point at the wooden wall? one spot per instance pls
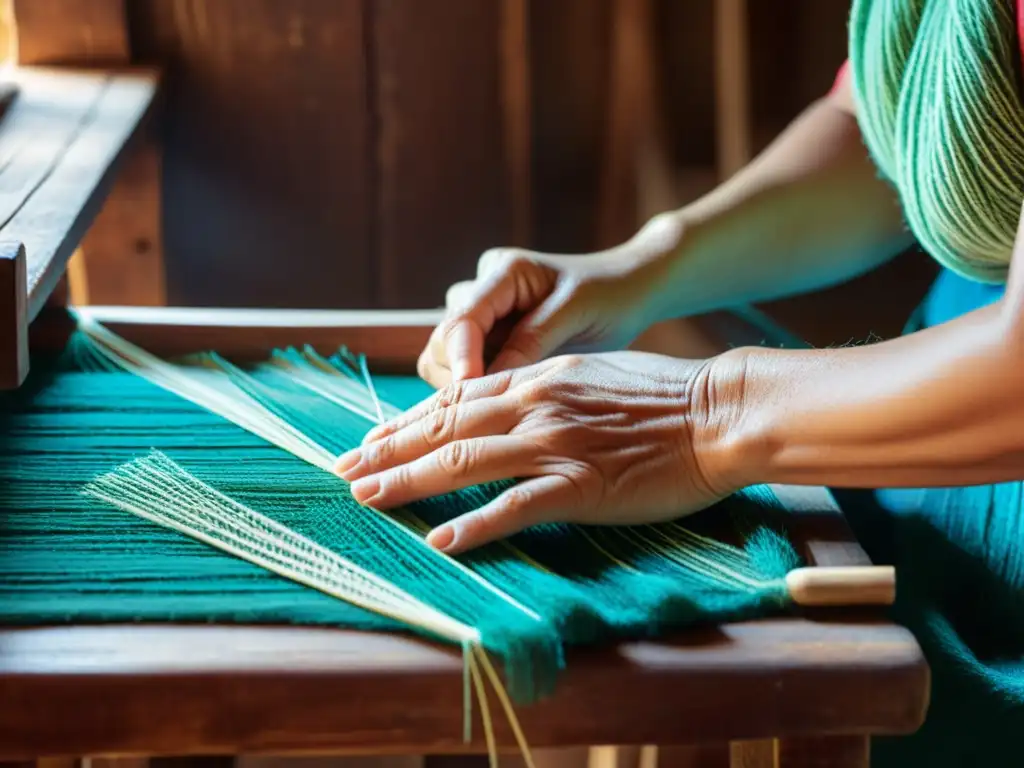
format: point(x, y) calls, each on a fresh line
point(362, 153)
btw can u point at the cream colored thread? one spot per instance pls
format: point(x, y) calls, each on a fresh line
point(269, 426)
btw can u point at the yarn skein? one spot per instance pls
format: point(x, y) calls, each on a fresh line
point(939, 106)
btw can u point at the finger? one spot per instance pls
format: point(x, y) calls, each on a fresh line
point(453, 394)
point(532, 502)
point(464, 348)
point(458, 295)
point(452, 467)
point(433, 373)
point(502, 290)
point(478, 418)
point(538, 335)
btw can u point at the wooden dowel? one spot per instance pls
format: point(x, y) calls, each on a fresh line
point(853, 585)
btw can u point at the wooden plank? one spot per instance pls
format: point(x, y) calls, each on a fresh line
point(515, 102)
point(570, 55)
point(276, 690)
point(760, 753)
point(825, 752)
point(692, 756)
point(61, 142)
point(123, 249)
point(391, 340)
point(14, 361)
point(733, 91)
point(122, 252)
point(445, 185)
point(629, 122)
point(268, 175)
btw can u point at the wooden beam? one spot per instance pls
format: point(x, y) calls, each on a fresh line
point(121, 260)
point(273, 690)
point(732, 86)
point(391, 340)
point(62, 139)
point(13, 316)
point(449, 114)
point(516, 98)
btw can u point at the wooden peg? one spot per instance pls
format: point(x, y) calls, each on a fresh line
point(849, 585)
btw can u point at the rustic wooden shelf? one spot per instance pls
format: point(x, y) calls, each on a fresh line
point(60, 142)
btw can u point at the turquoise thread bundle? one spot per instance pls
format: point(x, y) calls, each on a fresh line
point(938, 96)
point(70, 558)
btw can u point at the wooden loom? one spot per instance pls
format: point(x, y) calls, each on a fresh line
point(789, 692)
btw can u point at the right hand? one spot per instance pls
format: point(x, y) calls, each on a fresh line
point(525, 306)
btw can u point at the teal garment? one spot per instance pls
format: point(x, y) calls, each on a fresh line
point(959, 555)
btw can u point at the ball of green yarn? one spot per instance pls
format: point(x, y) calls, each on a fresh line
point(939, 106)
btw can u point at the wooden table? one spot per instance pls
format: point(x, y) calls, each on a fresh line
point(781, 690)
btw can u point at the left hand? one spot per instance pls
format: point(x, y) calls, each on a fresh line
point(611, 438)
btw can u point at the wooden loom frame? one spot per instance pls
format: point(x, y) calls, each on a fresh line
point(782, 691)
point(832, 678)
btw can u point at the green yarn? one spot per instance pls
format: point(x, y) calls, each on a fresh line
point(71, 558)
point(939, 105)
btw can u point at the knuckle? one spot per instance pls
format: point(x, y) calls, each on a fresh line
point(439, 426)
point(568, 362)
point(456, 459)
point(504, 259)
point(449, 326)
point(516, 503)
point(535, 393)
point(457, 295)
point(450, 395)
point(381, 452)
point(395, 481)
point(423, 364)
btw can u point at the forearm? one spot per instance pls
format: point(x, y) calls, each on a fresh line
point(938, 408)
point(809, 212)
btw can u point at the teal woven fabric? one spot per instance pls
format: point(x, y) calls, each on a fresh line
point(71, 558)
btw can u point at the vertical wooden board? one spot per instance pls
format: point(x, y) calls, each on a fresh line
point(446, 190)
point(122, 252)
point(70, 31)
point(13, 316)
point(685, 54)
point(267, 178)
point(570, 61)
point(826, 752)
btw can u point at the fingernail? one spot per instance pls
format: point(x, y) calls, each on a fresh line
point(366, 489)
point(347, 462)
point(441, 538)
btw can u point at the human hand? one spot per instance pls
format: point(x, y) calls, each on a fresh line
point(548, 303)
point(614, 438)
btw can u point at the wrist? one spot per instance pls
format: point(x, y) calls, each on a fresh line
point(729, 451)
point(651, 260)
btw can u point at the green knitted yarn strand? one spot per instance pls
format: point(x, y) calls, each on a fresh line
point(939, 106)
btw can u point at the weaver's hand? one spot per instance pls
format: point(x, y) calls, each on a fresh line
point(526, 306)
point(602, 439)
